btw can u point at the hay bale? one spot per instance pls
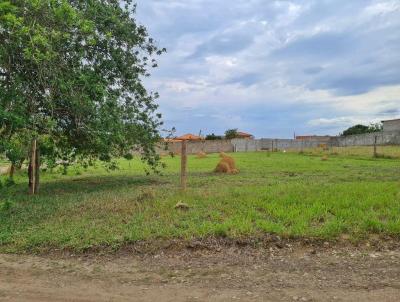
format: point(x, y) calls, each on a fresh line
point(226, 165)
point(223, 154)
point(201, 155)
point(324, 158)
point(222, 167)
point(324, 147)
point(182, 206)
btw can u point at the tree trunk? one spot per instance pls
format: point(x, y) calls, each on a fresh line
point(12, 170)
point(21, 162)
point(33, 170)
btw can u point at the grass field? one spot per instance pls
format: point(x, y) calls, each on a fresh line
point(292, 195)
point(358, 151)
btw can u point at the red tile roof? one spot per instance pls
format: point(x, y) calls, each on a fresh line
point(244, 134)
point(189, 137)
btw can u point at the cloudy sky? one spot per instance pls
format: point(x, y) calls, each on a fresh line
point(273, 68)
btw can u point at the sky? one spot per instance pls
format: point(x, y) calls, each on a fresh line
point(274, 68)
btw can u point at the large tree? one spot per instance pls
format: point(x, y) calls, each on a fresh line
point(361, 129)
point(231, 133)
point(72, 71)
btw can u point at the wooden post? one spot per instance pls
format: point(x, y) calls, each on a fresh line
point(184, 165)
point(32, 169)
point(375, 142)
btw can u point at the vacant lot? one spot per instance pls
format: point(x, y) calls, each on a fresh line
point(290, 195)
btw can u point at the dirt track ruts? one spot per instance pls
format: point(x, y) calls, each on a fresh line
point(228, 274)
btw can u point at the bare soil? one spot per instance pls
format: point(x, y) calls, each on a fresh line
point(208, 271)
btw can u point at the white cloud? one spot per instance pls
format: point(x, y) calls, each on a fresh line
point(343, 67)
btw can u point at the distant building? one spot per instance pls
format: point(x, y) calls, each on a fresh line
point(391, 125)
point(241, 134)
point(189, 137)
point(313, 137)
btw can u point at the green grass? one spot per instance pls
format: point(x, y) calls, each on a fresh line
point(288, 194)
point(390, 152)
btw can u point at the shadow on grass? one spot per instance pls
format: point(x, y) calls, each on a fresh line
point(83, 185)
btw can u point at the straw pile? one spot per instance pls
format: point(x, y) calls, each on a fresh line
point(201, 155)
point(226, 165)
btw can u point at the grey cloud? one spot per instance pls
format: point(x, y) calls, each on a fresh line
point(313, 70)
point(320, 46)
point(246, 79)
point(224, 44)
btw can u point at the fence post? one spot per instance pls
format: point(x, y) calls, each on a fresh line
point(375, 142)
point(184, 165)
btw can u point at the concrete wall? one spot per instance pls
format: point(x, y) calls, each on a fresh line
point(368, 139)
point(248, 145)
point(194, 147)
point(393, 125)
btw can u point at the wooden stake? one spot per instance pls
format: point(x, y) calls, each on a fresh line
point(184, 165)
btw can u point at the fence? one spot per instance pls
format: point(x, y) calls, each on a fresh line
point(378, 139)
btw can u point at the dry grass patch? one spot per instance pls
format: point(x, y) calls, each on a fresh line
point(201, 155)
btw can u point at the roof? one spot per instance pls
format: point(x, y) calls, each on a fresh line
point(189, 137)
point(394, 120)
point(244, 134)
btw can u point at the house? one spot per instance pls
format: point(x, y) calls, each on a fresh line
point(189, 137)
point(391, 125)
point(245, 135)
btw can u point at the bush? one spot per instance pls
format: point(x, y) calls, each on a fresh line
point(128, 156)
point(213, 137)
point(5, 206)
point(9, 182)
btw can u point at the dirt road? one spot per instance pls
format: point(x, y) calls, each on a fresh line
point(277, 273)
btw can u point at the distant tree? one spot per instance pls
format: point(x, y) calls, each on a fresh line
point(377, 127)
point(213, 137)
point(72, 71)
point(361, 129)
point(231, 133)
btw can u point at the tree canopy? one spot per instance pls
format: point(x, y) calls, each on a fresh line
point(72, 72)
point(213, 137)
point(361, 129)
point(231, 133)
